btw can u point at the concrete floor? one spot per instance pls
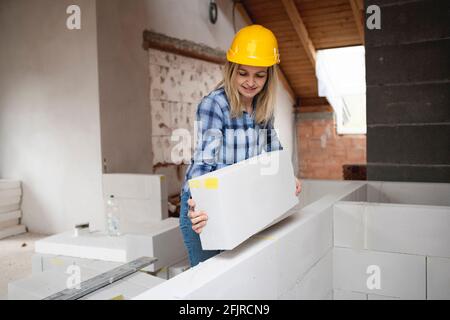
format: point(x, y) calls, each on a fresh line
point(15, 259)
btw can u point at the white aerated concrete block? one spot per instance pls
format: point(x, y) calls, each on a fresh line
point(399, 275)
point(127, 288)
point(13, 215)
point(288, 295)
point(378, 297)
point(12, 231)
point(144, 280)
point(9, 184)
point(134, 212)
point(438, 278)
point(318, 282)
point(9, 202)
point(135, 186)
point(53, 262)
point(178, 268)
point(359, 194)
point(301, 241)
point(141, 197)
point(244, 198)
point(339, 294)
point(10, 193)
point(44, 284)
point(10, 207)
point(161, 240)
point(9, 219)
point(8, 224)
point(436, 194)
point(412, 229)
point(248, 272)
point(36, 263)
point(349, 225)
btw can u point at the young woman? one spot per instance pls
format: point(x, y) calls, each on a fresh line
point(242, 103)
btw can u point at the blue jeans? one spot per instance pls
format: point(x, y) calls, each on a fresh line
point(190, 237)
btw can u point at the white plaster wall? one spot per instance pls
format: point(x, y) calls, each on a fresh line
point(285, 123)
point(123, 86)
point(189, 20)
point(49, 113)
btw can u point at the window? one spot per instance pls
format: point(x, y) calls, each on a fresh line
point(341, 78)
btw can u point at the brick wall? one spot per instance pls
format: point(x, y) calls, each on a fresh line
point(322, 152)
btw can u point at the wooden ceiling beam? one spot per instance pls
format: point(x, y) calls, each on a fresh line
point(359, 18)
point(244, 14)
point(300, 28)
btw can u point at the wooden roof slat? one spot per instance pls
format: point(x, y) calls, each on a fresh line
point(327, 23)
point(358, 18)
point(299, 26)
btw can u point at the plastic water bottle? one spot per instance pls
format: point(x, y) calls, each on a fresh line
point(112, 216)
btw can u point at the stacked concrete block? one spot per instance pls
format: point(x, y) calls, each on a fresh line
point(252, 268)
point(317, 284)
point(436, 194)
point(339, 294)
point(57, 277)
point(160, 239)
point(411, 229)
point(178, 268)
point(292, 259)
point(420, 231)
point(10, 213)
point(438, 278)
point(301, 241)
point(244, 198)
point(385, 274)
point(142, 198)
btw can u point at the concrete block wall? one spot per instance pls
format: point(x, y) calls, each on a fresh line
point(323, 251)
point(408, 92)
point(290, 260)
point(436, 194)
point(409, 243)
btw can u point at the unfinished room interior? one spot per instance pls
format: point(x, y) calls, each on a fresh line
point(101, 105)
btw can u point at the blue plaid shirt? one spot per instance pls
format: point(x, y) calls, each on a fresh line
point(222, 140)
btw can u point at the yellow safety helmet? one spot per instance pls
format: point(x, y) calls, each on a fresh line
point(254, 46)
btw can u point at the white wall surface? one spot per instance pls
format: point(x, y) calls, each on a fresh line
point(49, 115)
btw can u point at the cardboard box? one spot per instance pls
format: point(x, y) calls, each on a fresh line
point(244, 198)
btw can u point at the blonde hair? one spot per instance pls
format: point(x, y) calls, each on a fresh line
point(265, 99)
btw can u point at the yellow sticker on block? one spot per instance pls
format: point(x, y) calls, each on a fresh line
point(119, 297)
point(212, 183)
point(194, 184)
point(56, 262)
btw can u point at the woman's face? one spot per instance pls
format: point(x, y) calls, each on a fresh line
point(250, 80)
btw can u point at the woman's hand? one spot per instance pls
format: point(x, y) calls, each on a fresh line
point(198, 218)
point(298, 187)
